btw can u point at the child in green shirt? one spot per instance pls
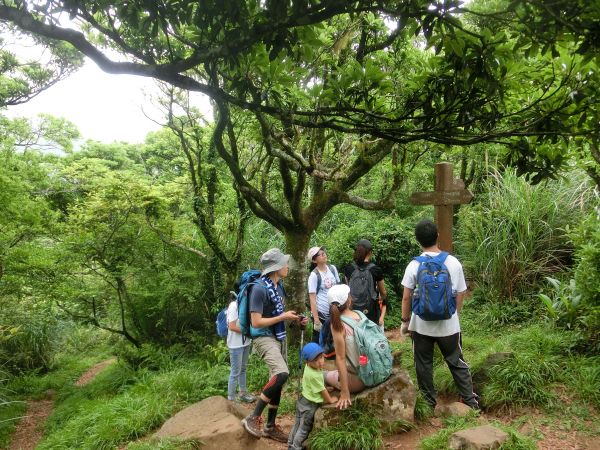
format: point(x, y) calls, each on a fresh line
point(313, 395)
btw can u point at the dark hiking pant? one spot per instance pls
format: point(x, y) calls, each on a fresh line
point(451, 349)
point(305, 415)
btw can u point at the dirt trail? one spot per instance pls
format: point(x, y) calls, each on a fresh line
point(30, 428)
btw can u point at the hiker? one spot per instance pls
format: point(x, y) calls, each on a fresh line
point(313, 395)
point(345, 378)
point(239, 351)
point(429, 325)
point(321, 278)
point(368, 293)
point(268, 318)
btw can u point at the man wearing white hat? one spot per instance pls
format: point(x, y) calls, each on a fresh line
point(269, 338)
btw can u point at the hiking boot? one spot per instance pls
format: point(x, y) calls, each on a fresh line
point(247, 398)
point(276, 433)
point(253, 425)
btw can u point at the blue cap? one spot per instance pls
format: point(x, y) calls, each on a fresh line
point(311, 350)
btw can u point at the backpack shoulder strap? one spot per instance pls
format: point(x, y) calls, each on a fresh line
point(318, 274)
point(352, 323)
point(440, 257)
point(335, 273)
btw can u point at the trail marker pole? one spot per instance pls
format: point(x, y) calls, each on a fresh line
point(448, 192)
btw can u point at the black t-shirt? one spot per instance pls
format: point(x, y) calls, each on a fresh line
point(260, 301)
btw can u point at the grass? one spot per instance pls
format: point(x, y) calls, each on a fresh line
point(357, 430)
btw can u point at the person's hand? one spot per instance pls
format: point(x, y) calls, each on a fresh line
point(334, 399)
point(380, 323)
point(317, 325)
point(344, 401)
point(404, 329)
point(290, 315)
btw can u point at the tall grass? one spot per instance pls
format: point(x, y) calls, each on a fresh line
point(515, 235)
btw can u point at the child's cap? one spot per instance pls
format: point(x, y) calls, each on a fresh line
point(311, 350)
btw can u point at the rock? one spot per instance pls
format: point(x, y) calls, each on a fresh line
point(481, 374)
point(484, 437)
point(452, 409)
point(215, 422)
point(390, 401)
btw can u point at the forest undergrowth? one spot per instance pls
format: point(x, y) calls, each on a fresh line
point(133, 397)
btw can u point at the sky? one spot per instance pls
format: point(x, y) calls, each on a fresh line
point(104, 107)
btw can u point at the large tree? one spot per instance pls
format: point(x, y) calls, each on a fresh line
point(328, 90)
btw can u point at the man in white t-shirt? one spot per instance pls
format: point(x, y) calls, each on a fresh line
point(446, 333)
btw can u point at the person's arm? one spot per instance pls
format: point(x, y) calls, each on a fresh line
point(313, 310)
point(383, 298)
point(233, 326)
point(460, 296)
point(327, 397)
point(258, 321)
point(406, 306)
point(312, 297)
point(339, 343)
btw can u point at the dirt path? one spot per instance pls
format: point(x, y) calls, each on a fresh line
point(30, 428)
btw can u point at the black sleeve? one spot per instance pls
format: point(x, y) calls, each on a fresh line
point(377, 273)
point(348, 269)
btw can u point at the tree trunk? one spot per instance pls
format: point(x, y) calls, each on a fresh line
point(295, 284)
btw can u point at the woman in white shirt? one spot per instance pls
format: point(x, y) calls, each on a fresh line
point(239, 351)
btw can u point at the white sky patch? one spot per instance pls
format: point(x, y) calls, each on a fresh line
point(104, 107)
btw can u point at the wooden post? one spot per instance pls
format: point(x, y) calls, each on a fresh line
point(448, 192)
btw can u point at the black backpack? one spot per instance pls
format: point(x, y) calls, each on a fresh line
point(362, 288)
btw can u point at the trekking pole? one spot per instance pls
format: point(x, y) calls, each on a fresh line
point(300, 361)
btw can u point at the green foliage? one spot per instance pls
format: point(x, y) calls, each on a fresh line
point(357, 430)
point(515, 235)
point(582, 375)
point(34, 334)
point(522, 380)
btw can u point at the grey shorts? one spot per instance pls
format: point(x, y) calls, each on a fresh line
point(273, 352)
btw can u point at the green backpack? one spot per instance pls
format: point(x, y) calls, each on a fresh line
point(372, 343)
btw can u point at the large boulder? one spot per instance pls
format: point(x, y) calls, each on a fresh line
point(392, 400)
point(484, 437)
point(215, 422)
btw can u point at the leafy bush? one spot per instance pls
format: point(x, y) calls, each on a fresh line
point(30, 334)
point(515, 235)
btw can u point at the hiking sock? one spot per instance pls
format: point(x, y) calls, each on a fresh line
point(271, 415)
point(259, 408)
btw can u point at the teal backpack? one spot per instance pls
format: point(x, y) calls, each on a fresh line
point(373, 344)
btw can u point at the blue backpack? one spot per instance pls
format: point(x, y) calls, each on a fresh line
point(221, 323)
point(433, 298)
point(247, 280)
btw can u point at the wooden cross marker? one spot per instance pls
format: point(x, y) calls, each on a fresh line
point(448, 192)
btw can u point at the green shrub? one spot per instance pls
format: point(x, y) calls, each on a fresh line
point(33, 334)
point(514, 235)
point(357, 430)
